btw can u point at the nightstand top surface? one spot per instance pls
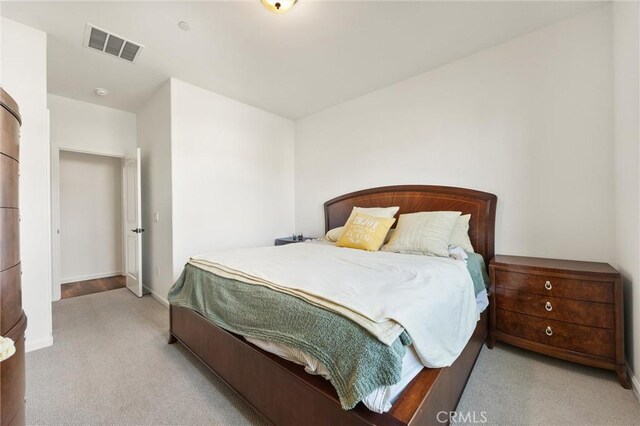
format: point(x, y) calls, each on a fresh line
point(558, 265)
point(290, 239)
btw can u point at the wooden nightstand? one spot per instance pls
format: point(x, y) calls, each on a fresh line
point(561, 308)
point(289, 240)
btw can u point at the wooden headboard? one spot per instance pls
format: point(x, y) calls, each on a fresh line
point(421, 198)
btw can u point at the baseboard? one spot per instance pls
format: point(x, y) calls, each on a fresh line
point(90, 277)
point(155, 295)
point(33, 345)
point(635, 384)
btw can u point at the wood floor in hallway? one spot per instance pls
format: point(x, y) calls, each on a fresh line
point(80, 288)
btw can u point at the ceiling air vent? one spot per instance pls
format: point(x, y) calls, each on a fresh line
point(106, 42)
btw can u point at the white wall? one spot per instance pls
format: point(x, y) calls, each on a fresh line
point(83, 127)
point(154, 140)
point(626, 33)
point(529, 120)
point(232, 181)
point(90, 216)
point(24, 77)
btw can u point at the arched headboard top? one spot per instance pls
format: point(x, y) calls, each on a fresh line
point(422, 198)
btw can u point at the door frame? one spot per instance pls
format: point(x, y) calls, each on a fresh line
point(56, 282)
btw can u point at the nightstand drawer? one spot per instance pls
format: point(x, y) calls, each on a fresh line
point(568, 310)
point(594, 291)
point(587, 340)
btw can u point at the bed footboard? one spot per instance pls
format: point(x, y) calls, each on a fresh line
point(286, 395)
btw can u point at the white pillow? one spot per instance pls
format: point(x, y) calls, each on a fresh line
point(423, 233)
point(389, 235)
point(460, 234)
point(336, 233)
point(388, 212)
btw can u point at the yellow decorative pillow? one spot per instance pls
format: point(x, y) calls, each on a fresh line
point(365, 232)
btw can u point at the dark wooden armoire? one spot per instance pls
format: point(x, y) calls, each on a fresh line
point(12, 319)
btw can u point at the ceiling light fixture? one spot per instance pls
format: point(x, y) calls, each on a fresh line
point(101, 92)
point(278, 6)
point(184, 25)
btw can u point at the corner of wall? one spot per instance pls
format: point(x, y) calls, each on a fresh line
point(24, 76)
point(154, 140)
point(626, 65)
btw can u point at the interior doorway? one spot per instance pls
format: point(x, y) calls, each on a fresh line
point(90, 227)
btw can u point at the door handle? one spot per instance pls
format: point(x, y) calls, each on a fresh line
point(137, 230)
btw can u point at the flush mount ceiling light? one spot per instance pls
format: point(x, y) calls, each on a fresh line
point(184, 25)
point(101, 92)
point(278, 6)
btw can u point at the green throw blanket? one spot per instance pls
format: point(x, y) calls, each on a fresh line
point(357, 361)
point(478, 272)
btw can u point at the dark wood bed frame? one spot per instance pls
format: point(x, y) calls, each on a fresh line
point(285, 394)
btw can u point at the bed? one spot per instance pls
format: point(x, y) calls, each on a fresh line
point(285, 394)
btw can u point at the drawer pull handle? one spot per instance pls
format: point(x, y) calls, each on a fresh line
point(548, 306)
point(549, 331)
point(548, 285)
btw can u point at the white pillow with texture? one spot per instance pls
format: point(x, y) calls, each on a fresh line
point(336, 233)
point(423, 233)
point(460, 234)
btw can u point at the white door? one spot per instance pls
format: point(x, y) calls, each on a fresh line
point(133, 223)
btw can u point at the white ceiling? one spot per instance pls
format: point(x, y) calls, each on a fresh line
point(316, 56)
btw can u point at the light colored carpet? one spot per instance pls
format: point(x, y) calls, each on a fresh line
point(110, 364)
point(518, 387)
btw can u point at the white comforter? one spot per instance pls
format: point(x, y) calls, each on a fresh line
point(432, 298)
